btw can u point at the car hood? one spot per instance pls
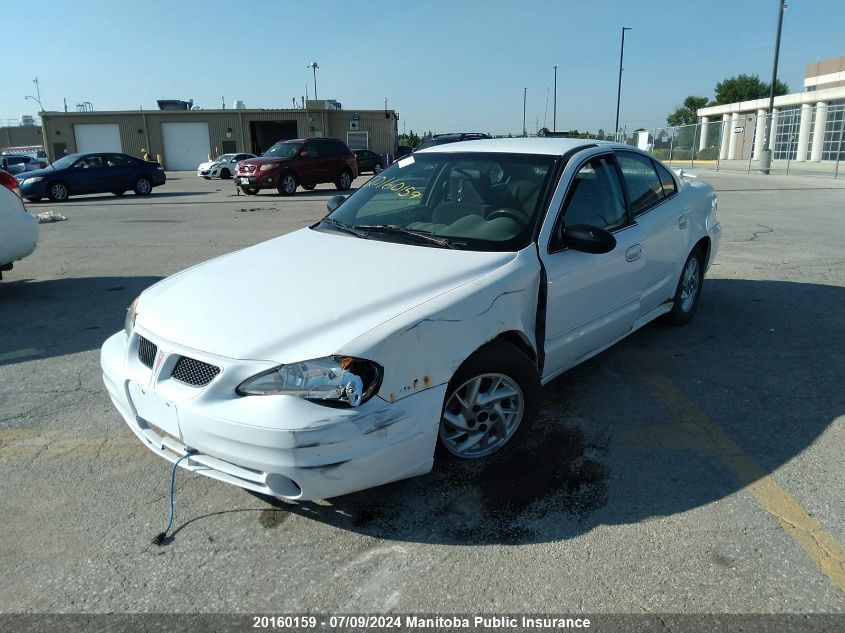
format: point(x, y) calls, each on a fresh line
point(208, 164)
point(303, 295)
point(47, 171)
point(261, 160)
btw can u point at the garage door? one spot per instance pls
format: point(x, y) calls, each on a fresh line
point(186, 145)
point(97, 137)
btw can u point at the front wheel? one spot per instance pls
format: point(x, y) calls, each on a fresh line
point(143, 186)
point(250, 191)
point(225, 174)
point(377, 168)
point(345, 181)
point(58, 192)
point(492, 400)
point(688, 291)
point(287, 185)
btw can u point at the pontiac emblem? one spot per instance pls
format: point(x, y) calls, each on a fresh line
point(158, 360)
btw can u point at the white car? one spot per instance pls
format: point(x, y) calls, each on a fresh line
point(18, 229)
point(221, 167)
point(427, 308)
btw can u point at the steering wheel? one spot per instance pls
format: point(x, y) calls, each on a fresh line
point(506, 212)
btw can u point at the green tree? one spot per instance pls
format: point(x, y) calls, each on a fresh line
point(745, 88)
point(411, 139)
point(686, 114)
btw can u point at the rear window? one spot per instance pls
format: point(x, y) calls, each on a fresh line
point(644, 188)
point(666, 179)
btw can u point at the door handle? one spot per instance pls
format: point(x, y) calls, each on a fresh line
point(682, 222)
point(633, 253)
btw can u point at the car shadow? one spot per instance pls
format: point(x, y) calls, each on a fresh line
point(127, 196)
point(607, 449)
point(45, 319)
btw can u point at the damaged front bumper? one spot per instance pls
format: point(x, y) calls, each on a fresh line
point(277, 445)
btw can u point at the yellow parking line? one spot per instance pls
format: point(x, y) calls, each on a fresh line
point(821, 547)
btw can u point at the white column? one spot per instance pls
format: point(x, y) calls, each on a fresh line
point(773, 132)
point(804, 131)
point(702, 141)
point(733, 136)
point(726, 136)
point(759, 134)
point(818, 131)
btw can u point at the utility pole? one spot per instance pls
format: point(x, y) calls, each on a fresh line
point(37, 91)
point(619, 87)
point(554, 107)
point(524, 97)
point(766, 157)
point(314, 66)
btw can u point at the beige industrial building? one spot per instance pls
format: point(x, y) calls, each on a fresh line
point(805, 126)
point(20, 136)
point(184, 138)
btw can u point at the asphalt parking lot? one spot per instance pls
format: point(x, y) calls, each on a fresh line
point(690, 470)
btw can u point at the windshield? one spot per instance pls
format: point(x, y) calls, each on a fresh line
point(477, 201)
point(224, 158)
point(65, 161)
point(283, 150)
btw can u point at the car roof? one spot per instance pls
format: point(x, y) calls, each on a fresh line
point(533, 145)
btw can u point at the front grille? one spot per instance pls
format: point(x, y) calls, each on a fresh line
point(146, 351)
point(194, 372)
point(246, 169)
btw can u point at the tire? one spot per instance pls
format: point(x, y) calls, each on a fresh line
point(57, 191)
point(344, 181)
point(249, 190)
point(225, 174)
point(688, 291)
point(309, 187)
point(377, 168)
point(143, 186)
point(118, 193)
point(33, 199)
point(471, 431)
point(287, 184)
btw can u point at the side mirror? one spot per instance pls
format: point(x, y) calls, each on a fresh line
point(304, 154)
point(334, 203)
point(588, 239)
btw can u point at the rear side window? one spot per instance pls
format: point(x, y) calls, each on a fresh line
point(666, 180)
point(644, 187)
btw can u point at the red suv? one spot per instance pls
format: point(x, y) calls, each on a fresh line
point(306, 162)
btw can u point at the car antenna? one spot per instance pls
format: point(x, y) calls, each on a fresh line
point(161, 538)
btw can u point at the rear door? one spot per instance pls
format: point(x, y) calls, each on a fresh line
point(120, 172)
point(592, 299)
point(657, 208)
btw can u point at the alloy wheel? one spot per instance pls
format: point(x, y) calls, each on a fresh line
point(690, 285)
point(481, 415)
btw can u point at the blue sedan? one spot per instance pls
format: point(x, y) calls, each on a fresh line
point(76, 174)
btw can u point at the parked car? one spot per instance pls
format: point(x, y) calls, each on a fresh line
point(77, 174)
point(19, 163)
point(35, 151)
point(442, 139)
point(221, 167)
point(307, 162)
point(18, 229)
point(427, 307)
point(369, 161)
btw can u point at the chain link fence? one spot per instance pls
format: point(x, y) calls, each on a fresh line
point(803, 139)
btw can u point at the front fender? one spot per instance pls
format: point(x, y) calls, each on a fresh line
point(423, 347)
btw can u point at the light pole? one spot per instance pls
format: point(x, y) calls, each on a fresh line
point(619, 87)
point(766, 157)
point(314, 66)
point(554, 107)
point(524, 97)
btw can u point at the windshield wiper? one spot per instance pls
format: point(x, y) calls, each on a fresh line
point(419, 236)
point(342, 226)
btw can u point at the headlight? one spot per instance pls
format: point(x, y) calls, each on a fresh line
point(335, 380)
point(33, 180)
point(268, 166)
point(131, 313)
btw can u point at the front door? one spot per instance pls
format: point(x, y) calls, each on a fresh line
point(592, 300)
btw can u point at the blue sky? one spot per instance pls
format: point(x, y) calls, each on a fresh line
point(443, 65)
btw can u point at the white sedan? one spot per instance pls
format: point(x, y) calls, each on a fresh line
point(221, 167)
point(18, 229)
point(425, 310)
